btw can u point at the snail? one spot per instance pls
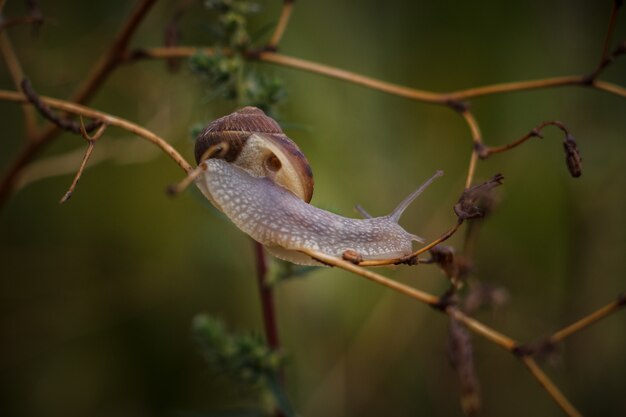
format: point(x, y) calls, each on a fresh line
point(263, 183)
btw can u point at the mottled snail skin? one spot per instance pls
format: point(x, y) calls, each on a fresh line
point(281, 219)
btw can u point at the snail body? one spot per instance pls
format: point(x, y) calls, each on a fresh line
point(266, 204)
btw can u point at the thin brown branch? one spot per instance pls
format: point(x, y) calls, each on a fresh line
point(515, 86)
point(106, 118)
point(111, 58)
point(536, 132)
point(447, 99)
point(422, 296)
point(17, 74)
point(46, 112)
point(332, 72)
point(616, 4)
point(588, 320)
point(608, 60)
point(195, 173)
point(609, 88)
point(478, 147)
point(550, 387)
point(91, 140)
point(283, 20)
point(471, 170)
point(412, 258)
point(96, 77)
point(474, 325)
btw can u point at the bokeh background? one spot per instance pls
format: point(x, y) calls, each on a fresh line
point(97, 296)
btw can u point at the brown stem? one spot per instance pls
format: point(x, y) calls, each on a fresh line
point(106, 119)
point(550, 387)
point(91, 140)
point(474, 325)
point(332, 72)
point(609, 88)
point(411, 259)
point(17, 74)
point(609, 32)
point(283, 20)
point(266, 294)
point(401, 91)
point(478, 148)
point(98, 74)
point(588, 320)
point(536, 132)
point(268, 310)
point(514, 86)
point(111, 58)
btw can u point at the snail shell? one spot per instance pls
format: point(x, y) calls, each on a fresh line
point(263, 183)
point(257, 144)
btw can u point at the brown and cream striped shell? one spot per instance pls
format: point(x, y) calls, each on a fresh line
point(263, 183)
point(257, 144)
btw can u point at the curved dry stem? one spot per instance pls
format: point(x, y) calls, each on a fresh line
point(411, 259)
point(106, 119)
point(536, 132)
point(394, 89)
point(333, 72)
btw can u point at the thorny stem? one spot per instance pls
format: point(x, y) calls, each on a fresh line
point(106, 119)
point(588, 320)
point(283, 20)
point(474, 325)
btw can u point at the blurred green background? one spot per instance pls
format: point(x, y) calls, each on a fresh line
point(97, 296)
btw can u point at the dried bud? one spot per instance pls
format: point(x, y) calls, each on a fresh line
point(477, 201)
point(572, 156)
point(455, 267)
point(461, 355)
